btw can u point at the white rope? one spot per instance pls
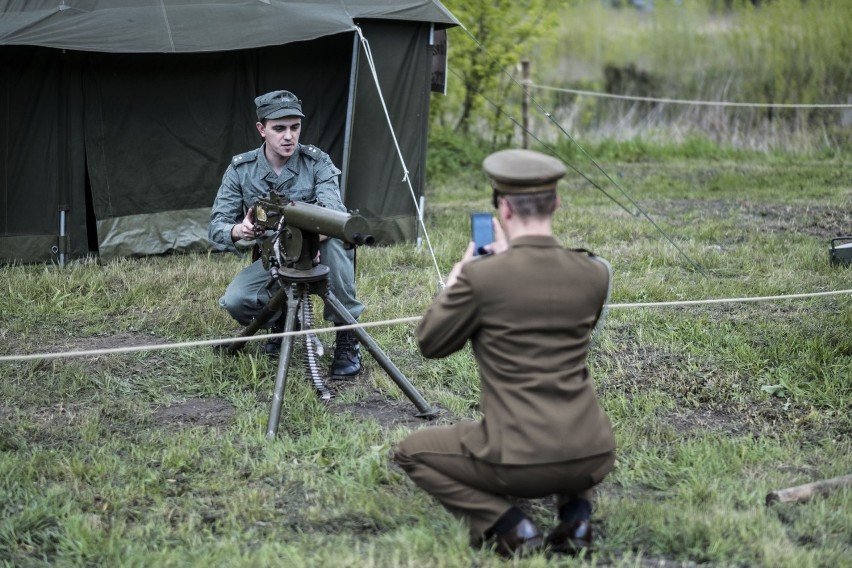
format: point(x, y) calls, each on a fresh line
point(412, 319)
point(689, 102)
point(200, 343)
point(729, 300)
point(405, 177)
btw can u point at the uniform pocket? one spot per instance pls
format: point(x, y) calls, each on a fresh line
point(301, 193)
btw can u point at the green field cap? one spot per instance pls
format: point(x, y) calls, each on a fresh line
point(278, 104)
point(523, 171)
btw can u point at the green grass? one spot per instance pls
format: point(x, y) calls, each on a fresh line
point(104, 463)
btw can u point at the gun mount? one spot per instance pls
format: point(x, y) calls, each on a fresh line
point(289, 248)
point(296, 228)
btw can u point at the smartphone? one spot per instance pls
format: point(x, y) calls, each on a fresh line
point(482, 232)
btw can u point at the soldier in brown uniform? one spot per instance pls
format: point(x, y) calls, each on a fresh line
point(529, 310)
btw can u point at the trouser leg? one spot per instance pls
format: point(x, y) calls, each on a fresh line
point(341, 278)
point(247, 295)
point(435, 460)
point(477, 491)
point(597, 468)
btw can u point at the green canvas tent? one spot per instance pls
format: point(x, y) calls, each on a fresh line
point(119, 117)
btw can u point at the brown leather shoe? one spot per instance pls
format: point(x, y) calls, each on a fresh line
point(571, 537)
point(524, 538)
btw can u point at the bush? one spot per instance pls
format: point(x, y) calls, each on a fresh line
point(452, 155)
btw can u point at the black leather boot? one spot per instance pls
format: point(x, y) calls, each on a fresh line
point(347, 356)
point(273, 344)
point(522, 539)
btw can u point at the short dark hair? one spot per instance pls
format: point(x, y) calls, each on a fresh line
point(539, 204)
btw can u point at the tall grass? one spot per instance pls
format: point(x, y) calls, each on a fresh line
point(783, 51)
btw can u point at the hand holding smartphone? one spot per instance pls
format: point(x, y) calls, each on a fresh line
point(482, 232)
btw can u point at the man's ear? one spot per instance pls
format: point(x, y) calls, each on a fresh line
point(506, 208)
point(260, 129)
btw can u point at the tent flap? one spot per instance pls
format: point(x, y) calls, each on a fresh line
point(42, 154)
point(379, 177)
point(155, 233)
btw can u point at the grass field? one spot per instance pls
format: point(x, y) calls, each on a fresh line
point(159, 457)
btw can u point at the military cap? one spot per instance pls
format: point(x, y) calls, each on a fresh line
point(523, 171)
point(278, 104)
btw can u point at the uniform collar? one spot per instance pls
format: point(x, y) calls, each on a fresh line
point(535, 241)
point(290, 169)
point(295, 161)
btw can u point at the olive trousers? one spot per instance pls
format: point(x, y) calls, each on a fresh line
point(477, 491)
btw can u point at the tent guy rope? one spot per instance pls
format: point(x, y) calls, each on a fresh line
point(406, 178)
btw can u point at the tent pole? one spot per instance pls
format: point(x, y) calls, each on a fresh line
point(350, 107)
point(62, 210)
point(420, 222)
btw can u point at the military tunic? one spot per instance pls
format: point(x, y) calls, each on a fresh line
point(529, 313)
point(309, 176)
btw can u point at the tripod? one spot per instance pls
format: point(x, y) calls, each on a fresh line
point(296, 285)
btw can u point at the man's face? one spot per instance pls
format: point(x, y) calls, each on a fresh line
point(281, 135)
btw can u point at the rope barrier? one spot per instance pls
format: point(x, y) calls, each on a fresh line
point(200, 343)
point(687, 101)
point(729, 300)
point(412, 319)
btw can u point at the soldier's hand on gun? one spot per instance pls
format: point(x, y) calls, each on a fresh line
point(246, 230)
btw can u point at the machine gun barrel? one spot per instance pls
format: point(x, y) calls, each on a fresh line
point(350, 228)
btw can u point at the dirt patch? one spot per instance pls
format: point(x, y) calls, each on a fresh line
point(705, 421)
point(6, 414)
point(385, 411)
point(206, 412)
point(820, 221)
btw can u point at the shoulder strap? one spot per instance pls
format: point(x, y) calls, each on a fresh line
point(244, 158)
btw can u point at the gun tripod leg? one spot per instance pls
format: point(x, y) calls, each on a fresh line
point(373, 348)
point(294, 295)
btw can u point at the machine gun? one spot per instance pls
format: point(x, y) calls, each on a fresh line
point(296, 228)
point(288, 249)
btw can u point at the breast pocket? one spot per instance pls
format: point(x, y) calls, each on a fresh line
point(300, 192)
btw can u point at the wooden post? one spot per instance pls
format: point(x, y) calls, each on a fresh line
point(804, 492)
point(525, 103)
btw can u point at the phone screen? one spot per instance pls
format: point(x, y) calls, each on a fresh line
point(482, 232)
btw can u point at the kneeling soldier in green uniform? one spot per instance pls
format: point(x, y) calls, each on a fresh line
point(300, 173)
point(529, 310)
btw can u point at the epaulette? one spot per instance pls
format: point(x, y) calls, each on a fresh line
point(312, 151)
point(244, 158)
point(582, 250)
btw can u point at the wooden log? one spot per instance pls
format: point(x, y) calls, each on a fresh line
point(804, 492)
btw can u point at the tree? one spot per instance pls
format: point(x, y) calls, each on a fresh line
point(503, 32)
